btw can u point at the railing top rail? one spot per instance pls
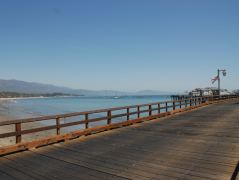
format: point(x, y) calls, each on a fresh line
point(42, 118)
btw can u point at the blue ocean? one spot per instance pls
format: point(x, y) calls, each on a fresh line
point(24, 108)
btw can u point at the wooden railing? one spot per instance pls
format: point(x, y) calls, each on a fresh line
point(108, 119)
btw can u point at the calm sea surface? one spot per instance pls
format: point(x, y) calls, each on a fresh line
point(24, 108)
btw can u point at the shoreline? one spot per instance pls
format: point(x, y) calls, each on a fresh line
point(16, 98)
point(40, 97)
point(5, 109)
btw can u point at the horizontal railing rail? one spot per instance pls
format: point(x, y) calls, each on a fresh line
point(105, 116)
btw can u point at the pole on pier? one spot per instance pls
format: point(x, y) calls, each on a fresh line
point(219, 83)
point(218, 79)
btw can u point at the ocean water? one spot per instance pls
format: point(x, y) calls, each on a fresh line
point(24, 108)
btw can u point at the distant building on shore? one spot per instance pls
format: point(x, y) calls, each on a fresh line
point(198, 92)
point(236, 92)
point(208, 91)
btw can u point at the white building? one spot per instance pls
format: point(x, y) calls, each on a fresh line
point(208, 91)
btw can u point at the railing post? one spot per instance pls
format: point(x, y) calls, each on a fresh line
point(86, 121)
point(57, 125)
point(18, 131)
point(166, 106)
point(109, 117)
point(138, 111)
point(180, 104)
point(150, 110)
point(174, 107)
point(127, 114)
point(159, 108)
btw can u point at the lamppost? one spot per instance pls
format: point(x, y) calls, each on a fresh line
point(218, 79)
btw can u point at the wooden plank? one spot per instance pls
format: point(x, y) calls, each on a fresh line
point(113, 140)
point(201, 144)
point(170, 142)
point(5, 176)
point(16, 172)
point(135, 154)
point(126, 157)
point(143, 169)
point(124, 171)
point(55, 168)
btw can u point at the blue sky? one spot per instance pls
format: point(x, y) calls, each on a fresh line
point(127, 45)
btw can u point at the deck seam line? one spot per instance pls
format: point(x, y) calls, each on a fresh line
point(134, 160)
point(21, 170)
point(77, 164)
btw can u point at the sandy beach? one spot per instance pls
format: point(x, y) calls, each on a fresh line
point(9, 99)
point(6, 116)
point(25, 138)
point(4, 129)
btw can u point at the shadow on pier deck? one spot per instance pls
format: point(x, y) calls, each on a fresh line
point(201, 144)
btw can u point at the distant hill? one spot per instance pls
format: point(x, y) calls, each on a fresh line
point(21, 95)
point(38, 88)
point(30, 87)
point(152, 92)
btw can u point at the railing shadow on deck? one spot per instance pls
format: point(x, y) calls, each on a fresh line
point(235, 173)
point(91, 123)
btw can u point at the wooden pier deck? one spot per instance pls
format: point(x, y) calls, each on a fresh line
point(201, 144)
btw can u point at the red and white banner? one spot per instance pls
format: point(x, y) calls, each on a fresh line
point(215, 79)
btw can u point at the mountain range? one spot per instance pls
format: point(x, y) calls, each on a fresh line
point(39, 88)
